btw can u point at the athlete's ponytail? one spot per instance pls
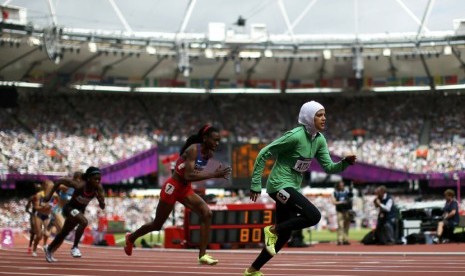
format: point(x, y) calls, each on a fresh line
point(198, 138)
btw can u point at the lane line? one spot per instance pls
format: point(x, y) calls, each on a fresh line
point(321, 253)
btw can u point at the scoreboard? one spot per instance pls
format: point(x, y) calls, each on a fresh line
point(231, 223)
point(243, 159)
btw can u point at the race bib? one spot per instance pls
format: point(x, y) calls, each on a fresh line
point(74, 212)
point(169, 189)
point(302, 165)
point(181, 166)
point(283, 196)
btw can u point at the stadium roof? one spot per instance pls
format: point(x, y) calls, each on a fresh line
point(303, 16)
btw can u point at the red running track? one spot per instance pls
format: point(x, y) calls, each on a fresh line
point(322, 259)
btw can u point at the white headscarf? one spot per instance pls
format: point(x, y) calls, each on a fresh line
point(307, 116)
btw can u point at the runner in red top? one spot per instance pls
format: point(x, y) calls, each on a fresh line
point(189, 167)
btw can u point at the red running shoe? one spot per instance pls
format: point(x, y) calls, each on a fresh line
point(129, 245)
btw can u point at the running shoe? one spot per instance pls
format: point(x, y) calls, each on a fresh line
point(48, 255)
point(75, 252)
point(34, 254)
point(207, 260)
point(255, 273)
point(129, 245)
point(270, 240)
point(437, 240)
point(29, 250)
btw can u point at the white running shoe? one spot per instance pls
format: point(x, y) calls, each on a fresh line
point(48, 255)
point(75, 252)
point(34, 254)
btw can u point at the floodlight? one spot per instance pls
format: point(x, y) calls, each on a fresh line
point(250, 54)
point(92, 47)
point(447, 50)
point(186, 72)
point(268, 53)
point(209, 53)
point(327, 54)
point(34, 41)
point(151, 50)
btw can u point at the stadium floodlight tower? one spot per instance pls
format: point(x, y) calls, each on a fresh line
point(183, 59)
point(51, 36)
point(357, 64)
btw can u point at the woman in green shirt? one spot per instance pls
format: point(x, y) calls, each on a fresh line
point(293, 153)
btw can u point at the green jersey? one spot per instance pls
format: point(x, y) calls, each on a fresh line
point(293, 153)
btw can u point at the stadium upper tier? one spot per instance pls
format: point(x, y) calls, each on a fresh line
point(215, 45)
point(67, 132)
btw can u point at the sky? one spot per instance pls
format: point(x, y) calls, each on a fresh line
point(322, 16)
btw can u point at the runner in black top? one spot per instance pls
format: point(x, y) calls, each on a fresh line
point(31, 211)
point(74, 210)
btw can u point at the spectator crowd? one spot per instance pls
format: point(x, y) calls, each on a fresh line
point(67, 132)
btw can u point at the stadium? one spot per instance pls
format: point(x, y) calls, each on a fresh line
point(122, 85)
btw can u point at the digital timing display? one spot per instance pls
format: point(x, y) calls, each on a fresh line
point(243, 159)
point(232, 223)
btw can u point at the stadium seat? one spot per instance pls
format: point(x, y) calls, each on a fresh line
point(110, 239)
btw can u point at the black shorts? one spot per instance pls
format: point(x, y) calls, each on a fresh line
point(43, 217)
point(450, 224)
point(72, 211)
point(293, 210)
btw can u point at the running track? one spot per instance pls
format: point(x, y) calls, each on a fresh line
point(323, 259)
